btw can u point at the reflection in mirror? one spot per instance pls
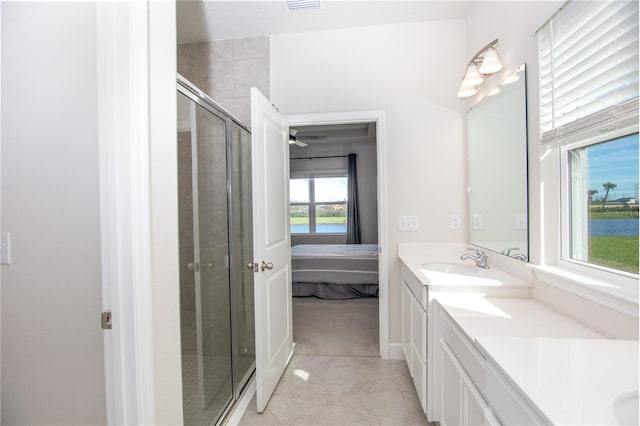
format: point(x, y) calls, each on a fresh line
point(497, 161)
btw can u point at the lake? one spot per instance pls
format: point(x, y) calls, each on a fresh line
point(321, 228)
point(602, 227)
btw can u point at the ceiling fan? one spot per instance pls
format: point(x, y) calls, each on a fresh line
point(293, 140)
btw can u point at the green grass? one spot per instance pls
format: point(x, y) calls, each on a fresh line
point(594, 214)
point(619, 252)
point(303, 220)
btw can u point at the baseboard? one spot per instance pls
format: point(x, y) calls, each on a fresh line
point(395, 351)
point(242, 404)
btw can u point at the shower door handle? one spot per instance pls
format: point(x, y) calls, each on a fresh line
point(266, 265)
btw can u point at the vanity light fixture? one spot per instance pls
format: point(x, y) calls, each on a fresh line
point(495, 91)
point(486, 62)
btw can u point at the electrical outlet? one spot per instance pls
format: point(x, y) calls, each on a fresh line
point(477, 221)
point(455, 221)
point(408, 223)
point(521, 221)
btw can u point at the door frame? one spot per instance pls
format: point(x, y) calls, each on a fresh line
point(378, 117)
point(137, 120)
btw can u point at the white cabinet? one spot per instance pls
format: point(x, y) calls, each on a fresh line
point(407, 298)
point(460, 401)
point(414, 341)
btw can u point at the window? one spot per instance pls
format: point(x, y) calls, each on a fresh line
point(604, 203)
point(318, 205)
point(588, 59)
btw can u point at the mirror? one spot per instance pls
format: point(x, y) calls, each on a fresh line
point(497, 161)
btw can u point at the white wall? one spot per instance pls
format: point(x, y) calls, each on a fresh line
point(52, 350)
point(411, 71)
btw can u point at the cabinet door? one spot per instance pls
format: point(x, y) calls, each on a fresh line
point(474, 407)
point(450, 388)
point(407, 298)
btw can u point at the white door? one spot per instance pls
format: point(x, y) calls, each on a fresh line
point(271, 245)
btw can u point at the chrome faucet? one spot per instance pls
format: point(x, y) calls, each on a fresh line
point(479, 256)
point(520, 256)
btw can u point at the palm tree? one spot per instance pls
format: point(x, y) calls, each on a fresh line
point(607, 186)
point(591, 193)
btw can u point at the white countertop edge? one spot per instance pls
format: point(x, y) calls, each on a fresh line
point(601, 292)
point(506, 376)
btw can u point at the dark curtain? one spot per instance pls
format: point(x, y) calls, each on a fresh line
point(353, 208)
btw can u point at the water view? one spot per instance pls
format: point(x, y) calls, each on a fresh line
point(321, 228)
point(613, 227)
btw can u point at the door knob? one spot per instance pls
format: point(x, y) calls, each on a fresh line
point(266, 265)
point(194, 266)
point(208, 265)
point(252, 266)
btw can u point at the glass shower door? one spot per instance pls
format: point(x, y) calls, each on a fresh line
point(204, 247)
point(242, 253)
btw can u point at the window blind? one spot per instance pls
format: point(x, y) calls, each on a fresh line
point(588, 61)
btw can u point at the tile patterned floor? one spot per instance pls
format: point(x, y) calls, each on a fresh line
point(336, 327)
point(354, 388)
point(328, 390)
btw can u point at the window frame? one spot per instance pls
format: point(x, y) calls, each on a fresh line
point(312, 202)
point(599, 271)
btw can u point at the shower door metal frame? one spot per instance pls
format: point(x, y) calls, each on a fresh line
point(186, 88)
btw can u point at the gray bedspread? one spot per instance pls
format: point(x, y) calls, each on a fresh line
point(335, 271)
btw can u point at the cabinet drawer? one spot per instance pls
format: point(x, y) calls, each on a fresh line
point(420, 379)
point(475, 365)
point(419, 329)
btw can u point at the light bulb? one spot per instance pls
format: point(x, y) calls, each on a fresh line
point(491, 63)
point(472, 77)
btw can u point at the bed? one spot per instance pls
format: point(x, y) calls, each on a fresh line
point(335, 271)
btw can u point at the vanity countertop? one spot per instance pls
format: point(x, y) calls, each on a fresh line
point(416, 255)
point(570, 372)
point(571, 381)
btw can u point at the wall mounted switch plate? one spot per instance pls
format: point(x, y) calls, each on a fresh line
point(408, 223)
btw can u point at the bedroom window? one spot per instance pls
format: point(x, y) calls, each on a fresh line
point(318, 205)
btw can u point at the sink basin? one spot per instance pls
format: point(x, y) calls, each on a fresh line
point(625, 408)
point(451, 268)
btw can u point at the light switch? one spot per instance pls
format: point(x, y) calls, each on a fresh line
point(5, 248)
point(408, 223)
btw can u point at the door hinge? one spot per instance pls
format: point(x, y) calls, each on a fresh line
point(106, 320)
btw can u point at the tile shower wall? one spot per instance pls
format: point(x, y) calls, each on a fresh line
point(227, 69)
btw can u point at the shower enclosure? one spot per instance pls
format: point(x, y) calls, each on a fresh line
point(215, 227)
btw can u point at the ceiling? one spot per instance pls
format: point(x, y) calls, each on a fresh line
point(219, 20)
point(335, 134)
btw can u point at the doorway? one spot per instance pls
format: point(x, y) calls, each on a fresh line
point(352, 325)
